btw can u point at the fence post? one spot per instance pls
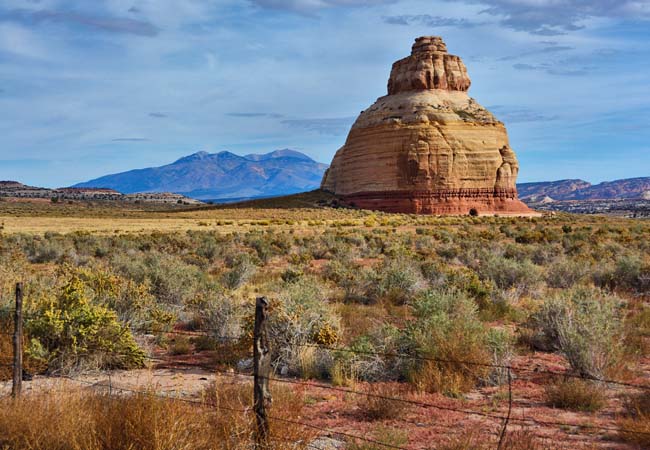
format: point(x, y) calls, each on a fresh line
point(261, 372)
point(18, 343)
point(507, 420)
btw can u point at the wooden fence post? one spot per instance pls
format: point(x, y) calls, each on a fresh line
point(18, 343)
point(502, 435)
point(261, 372)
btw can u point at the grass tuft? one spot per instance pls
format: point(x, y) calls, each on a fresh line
point(636, 420)
point(575, 394)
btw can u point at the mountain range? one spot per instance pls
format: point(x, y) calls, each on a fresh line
point(222, 176)
point(629, 188)
point(225, 176)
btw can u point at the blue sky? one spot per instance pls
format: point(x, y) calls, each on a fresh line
point(95, 87)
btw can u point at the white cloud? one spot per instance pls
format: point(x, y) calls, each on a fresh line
point(310, 6)
point(554, 17)
point(21, 41)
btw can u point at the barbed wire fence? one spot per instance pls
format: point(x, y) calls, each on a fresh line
point(262, 376)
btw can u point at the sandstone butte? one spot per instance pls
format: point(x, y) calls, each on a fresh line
point(427, 147)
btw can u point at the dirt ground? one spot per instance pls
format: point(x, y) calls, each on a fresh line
point(423, 426)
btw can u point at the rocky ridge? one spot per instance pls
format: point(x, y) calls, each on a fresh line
point(14, 189)
point(628, 188)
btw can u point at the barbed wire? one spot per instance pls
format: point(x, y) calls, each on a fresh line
point(412, 357)
point(430, 405)
point(388, 398)
point(507, 418)
point(438, 360)
point(342, 433)
point(371, 395)
point(443, 408)
point(204, 404)
point(583, 377)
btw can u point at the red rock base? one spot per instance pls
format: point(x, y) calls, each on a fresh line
point(447, 202)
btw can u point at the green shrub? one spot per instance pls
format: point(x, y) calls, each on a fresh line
point(242, 268)
point(180, 345)
point(365, 358)
point(446, 327)
point(435, 273)
point(566, 273)
point(584, 324)
point(393, 437)
point(223, 318)
point(501, 350)
point(203, 342)
point(350, 277)
point(133, 302)
point(509, 273)
point(631, 274)
point(70, 331)
point(397, 280)
point(172, 281)
point(468, 281)
point(51, 248)
point(298, 315)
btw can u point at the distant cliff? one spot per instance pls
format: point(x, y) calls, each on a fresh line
point(14, 189)
point(630, 188)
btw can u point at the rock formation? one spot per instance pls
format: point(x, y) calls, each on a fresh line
point(427, 147)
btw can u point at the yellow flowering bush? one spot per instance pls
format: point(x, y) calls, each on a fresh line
point(68, 330)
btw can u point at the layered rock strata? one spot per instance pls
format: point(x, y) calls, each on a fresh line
point(427, 147)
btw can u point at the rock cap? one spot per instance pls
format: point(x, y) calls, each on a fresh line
point(429, 67)
point(429, 44)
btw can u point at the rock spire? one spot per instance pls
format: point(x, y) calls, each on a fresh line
point(427, 147)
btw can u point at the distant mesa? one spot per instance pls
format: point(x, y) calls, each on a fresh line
point(568, 190)
point(558, 190)
point(16, 190)
point(427, 147)
point(222, 176)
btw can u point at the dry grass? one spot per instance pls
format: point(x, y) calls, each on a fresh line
point(287, 405)
point(40, 217)
point(636, 420)
point(575, 394)
point(6, 352)
point(344, 375)
point(82, 420)
point(40, 225)
point(359, 319)
point(448, 378)
point(517, 439)
point(30, 366)
point(308, 362)
point(180, 345)
point(378, 406)
point(386, 435)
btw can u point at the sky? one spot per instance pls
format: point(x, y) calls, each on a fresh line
point(89, 88)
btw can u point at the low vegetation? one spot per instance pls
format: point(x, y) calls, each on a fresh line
point(351, 292)
point(71, 419)
point(575, 394)
point(636, 420)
